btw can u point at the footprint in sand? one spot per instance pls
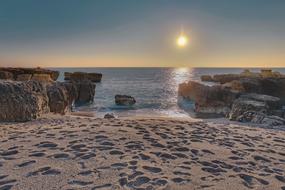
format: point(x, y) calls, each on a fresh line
point(152, 169)
point(26, 163)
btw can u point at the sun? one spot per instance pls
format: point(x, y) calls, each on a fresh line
point(182, 41)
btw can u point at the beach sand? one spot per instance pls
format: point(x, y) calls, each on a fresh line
point(77, 152)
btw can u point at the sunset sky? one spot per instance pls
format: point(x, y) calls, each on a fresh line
point(142, 33)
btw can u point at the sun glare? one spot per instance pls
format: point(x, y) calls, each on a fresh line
point(182, 41)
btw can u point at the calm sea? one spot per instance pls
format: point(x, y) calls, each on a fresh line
point(155, 89)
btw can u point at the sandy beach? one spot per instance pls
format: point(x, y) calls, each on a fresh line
point(77, 152)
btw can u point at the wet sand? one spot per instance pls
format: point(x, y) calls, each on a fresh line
point(77, 152)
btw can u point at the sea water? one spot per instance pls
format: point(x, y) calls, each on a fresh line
point(155, 89)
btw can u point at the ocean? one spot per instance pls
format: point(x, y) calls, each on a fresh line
point(155, 89)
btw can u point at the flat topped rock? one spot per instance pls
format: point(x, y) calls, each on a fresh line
point(32, 71)
point(81, 76)
point(124, 100)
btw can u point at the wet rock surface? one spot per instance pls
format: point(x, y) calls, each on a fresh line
point(124, 100)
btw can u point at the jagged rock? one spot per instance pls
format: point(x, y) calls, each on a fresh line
point(261, 118)
point(6, 75)
point(235, 86)
point(58, 98)
point(86, 91)
point(109, 116)
point(18, 71)
point(24, 77)
point(224, 78)
point(42, 77)
point(22, 101)
point(208, 99)
point(81, 76)
point(124, 100)
point(241, 106)
point(272, 102)
point(207, 78)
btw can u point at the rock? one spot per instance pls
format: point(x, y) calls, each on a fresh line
point(95, 77)
point(24, 77)
point(251, 85)
point(86, 91)
point(124, 100)
point(241, 106)
point(207, 78)
point(208, 99)
point(82, 76)
point(224, 78)
point(18, 71)
point(261, 118)
point(109, 116)
point(42, 77)
point(6, 75)
point(271, 101)
point(235, 86)
point(22, 101)
point(58, 98)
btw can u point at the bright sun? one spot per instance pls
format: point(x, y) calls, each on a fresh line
point(182, 40)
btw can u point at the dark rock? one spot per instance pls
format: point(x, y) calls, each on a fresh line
point(81, 76)
point(124, 100)
point(62, 96)
point(24, 77)
point(271, 101)
point(22, 101)
point(207, 78)
point(86, 92)
point(241, 105)
point(109, 116)
point(6, 75)
point(33, 71)
point(208, 99)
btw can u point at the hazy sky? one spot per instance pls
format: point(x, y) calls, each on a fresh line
point(90, 33)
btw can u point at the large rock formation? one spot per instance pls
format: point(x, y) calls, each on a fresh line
point(214, 100)
point(86, 91)
point(233, 100)
point(124, 100)
point(82, 76)
point(59, 98)
point(257, 109)
point(246, 74)
point(22, 101)
point(15, 72)
point(35, 92)
point(6, 75)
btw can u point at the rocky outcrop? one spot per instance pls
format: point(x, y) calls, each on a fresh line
point(246, 74)
point(6, 75)
point(35, 93)
point(22, 101)
point(235, 86)
point(214, 100)
point(109, 116)
point(86, 91)
point(58, 98)
point(62, 95)
point(81, 76)
point(241, 106)
point(233, 100)
point(207, 78)
point(124, 100)
point(24, 77)
point(41, 77)
point(15, 72)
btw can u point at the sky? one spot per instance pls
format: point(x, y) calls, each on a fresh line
point(142, 33)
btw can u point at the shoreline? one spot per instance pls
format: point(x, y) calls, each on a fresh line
point(78, 152)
